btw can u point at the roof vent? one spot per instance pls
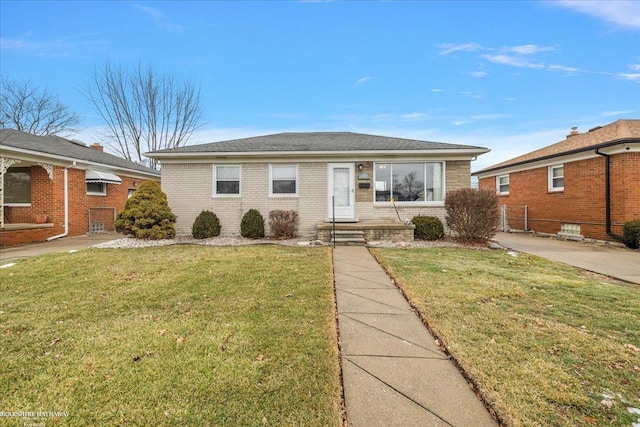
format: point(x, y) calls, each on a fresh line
point(78, 142)
point(574, 132)
point(595, 128)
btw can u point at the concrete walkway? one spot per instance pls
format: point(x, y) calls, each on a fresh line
point(393, 373)
point(64, 244)
point(619, 263)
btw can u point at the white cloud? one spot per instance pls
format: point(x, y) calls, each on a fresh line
point(625, 14)
point(437, 90)
point(449, 48)
point(413, 116)
point(362, 80)
point(474, 95)
point(57, 47)
point(478, 74)
point(528, 49)
point(159, 18)
point(635, 77)
point(459, 122)
point(514, 61)
point(616, 113)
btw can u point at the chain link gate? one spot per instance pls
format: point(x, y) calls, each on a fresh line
point(514, 218)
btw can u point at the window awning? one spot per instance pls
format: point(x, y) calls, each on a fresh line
point(102, 177)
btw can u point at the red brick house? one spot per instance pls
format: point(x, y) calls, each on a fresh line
point(52, 187)
point(586, 186)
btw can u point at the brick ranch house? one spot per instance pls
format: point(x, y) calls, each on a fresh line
point(586, 186)
point(345, 176)
point(52, 187)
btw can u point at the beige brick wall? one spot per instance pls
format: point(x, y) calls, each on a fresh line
point(189, 191)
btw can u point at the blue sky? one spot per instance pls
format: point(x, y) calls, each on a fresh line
point(512, 76)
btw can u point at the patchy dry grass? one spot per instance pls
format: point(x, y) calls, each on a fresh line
point(546, 344)
point(179, 335)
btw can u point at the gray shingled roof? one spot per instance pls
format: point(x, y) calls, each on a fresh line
point(61, 147)
point(315, 142)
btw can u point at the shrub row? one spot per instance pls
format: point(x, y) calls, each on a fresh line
point(283, 224)
point(631, 234)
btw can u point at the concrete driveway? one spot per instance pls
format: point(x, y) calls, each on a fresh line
point(64, 244)
point(619, 263)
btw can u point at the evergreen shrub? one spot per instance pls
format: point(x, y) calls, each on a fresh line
point(252, 225)
point(146, 214)
point(631, 234)
point(206, 225)
point(427, 227)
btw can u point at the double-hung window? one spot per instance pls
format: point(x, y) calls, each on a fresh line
point(96, 188)
point(283, 180)
point(502, 184)
point(17, 186)
point(226, 180)
point(556, 178)
point(408, 182)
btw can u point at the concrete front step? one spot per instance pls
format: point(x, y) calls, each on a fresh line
point(348, 237)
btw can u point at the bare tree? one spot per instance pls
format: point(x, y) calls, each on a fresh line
point(144, 111)
point(28, 108)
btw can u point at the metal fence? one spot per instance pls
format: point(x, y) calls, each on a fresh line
point(101, 219)
point(514, 218)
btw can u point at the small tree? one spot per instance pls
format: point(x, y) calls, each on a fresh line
point(31, 109)
point(252, 225)
point(146, 215)
point(206, 225)
point(472, 214)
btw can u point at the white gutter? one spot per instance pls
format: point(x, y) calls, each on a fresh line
point(66, 204)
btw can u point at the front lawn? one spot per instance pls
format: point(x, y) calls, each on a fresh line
point(179, 335)
point(545, 343)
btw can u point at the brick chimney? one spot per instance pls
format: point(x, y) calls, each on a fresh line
point(574, 132)
point(97, 146)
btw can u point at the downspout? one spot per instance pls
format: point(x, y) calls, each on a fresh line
point(607, 183)
point(66, 204)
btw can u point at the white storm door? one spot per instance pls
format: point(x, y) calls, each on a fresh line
point(342, 190)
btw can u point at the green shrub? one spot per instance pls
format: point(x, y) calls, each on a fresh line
point(472, 214)
point(146, 214)
point(427, 227)
point(283, 224)
point(206, 225)
point(252, 225)
point(631, 234)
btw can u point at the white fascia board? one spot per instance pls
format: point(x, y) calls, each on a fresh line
point(538, 164)
point(466, 153)
point(54, 159)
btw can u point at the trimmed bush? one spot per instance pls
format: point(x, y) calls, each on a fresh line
point(206, 225)
point(146, 214)
point(631, 234)
point(472, 214)
point(252, 225)
point(283, 224)
point(427, 227)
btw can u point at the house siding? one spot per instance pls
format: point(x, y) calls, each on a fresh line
point(583, 200)
point(189, 189)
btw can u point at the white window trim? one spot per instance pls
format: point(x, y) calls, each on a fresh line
point(502, 193)
point(18, 205)
point(410, 204)
point(215, 180)
point(271, 193)
point(98, 193)
point(550, 178)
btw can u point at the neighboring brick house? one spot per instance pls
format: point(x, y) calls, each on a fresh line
point(304, 171)
point(52, 187)
point(586, 186)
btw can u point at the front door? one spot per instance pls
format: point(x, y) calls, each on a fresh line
point(342, 190)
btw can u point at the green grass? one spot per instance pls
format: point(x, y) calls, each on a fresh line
point(544, 342)
point(180, 335)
